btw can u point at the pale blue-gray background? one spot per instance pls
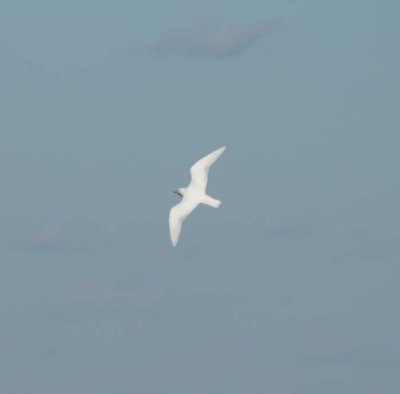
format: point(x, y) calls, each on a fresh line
point(292, 286)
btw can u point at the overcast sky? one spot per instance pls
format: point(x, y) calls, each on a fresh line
point(291, 287)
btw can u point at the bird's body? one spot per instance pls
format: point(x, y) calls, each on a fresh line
point(193, 195)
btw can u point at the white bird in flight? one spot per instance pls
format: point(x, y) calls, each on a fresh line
point(193, 195)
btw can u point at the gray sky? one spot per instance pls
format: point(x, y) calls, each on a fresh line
point(290, 287)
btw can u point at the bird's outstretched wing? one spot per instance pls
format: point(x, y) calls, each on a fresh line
point(177, 215)
point(199, 170)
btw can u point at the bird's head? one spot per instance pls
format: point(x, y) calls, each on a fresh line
point(180, 192)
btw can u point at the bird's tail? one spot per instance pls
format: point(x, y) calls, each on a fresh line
point(212, 202)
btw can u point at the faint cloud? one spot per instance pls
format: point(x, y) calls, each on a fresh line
point(77, 235)
point(152, 300)
point(7, 55)
point(372, 251)
point(14, 65)
point(288, 232)
point(143, 296)
point(375, 358)
point(211, 40)
point(191, 252)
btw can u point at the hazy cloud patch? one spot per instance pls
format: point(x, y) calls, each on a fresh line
point(143, 296)
point(377, 358)
point(372, 251)
point(288, 231)
point(212, 40)
point(76, 235)
point(152, 300)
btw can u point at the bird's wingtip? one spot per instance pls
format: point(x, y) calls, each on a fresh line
point(174, 242)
